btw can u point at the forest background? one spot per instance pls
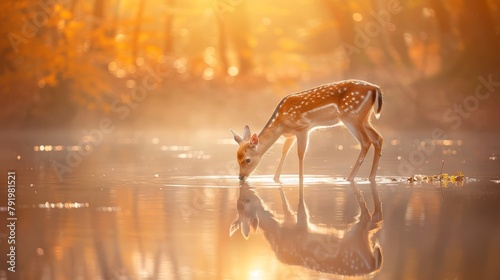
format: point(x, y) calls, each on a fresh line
point(210, 64)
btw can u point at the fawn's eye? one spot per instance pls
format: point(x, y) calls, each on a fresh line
point(247, 200)
point(248, 160)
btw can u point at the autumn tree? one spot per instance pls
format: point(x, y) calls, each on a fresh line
point(233, 26)
point(479, 37)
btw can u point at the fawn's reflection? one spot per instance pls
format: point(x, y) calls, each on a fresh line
point(347, 252)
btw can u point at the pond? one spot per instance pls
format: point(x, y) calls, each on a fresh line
point(143, 205)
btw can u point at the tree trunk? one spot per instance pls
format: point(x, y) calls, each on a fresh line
point(98, 14)
point(478, 35)
point(396, 37)
point(222, 44)
point(239, 31)
point(116, 17)
point(168, 48)
point(447, 44)
point(342, 13)
point(137, 29)
point(97, 20)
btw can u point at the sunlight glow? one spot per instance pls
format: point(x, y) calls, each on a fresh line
point(175, 148)
point(120, 73)
point(233, 71)
point(74, 148)
point(209, 59)
point(112, 66)
point(140, 61)
point(40, 251)
point(255, 274)
point(60, 205)
point(61, 24)
point(41, 83)
point(395, 142)
point(180, 65)
point(449, 152)
point(208, 74)
point(357, 17)
point(130, 83)
point(119, 37)
point(408, 38)
point(428, 12)
point(443, 142)
point(193, 155)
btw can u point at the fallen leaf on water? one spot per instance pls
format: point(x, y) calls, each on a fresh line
point(444, 179)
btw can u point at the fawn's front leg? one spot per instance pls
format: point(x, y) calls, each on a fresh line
point(377, 215)
point(290, 217)
point(286, 148)
point(302, 139)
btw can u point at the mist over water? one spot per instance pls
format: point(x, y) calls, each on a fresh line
point(148, 206)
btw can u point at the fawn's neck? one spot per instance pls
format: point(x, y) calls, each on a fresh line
point(267, 220)
point(267, 137)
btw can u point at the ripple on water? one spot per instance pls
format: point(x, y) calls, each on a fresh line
point(266, 181)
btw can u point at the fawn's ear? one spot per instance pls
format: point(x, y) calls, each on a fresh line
point(235, 225)
point(246, 133)
point(377, 253)
point(236, 137)
point(245, 229)
point(254, 141)
point(254, 222)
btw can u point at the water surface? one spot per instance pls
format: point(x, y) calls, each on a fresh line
point(152, 207)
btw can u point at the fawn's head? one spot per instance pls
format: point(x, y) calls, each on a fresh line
point(247, 205)
point(247, 155)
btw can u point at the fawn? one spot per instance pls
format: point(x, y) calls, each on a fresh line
point(349, 103)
